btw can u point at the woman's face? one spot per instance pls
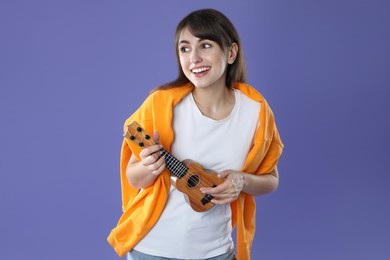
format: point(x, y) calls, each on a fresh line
point(203, 61)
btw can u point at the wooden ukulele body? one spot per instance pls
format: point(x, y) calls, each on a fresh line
point(190, 184)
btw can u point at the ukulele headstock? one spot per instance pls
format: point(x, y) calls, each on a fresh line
point(138, 135)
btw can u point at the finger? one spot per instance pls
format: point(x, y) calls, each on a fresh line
point(222, 201)
point(159, 170)
point(216, 190)
point(149, 150)
point(156, 137)
point(224, 198)
point(160, 162)
point(227, 192)
point(224, 174)
point(150, 160)
point(225, 187)
point(154, 161)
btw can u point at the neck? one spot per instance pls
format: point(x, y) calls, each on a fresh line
point(216, 103)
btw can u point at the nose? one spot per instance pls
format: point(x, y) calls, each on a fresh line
point(195, 57)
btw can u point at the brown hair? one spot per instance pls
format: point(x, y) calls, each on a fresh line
point(212, 25)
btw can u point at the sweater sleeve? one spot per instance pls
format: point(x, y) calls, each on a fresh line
point(142, 114)
point(141, 208)
point(262, 158)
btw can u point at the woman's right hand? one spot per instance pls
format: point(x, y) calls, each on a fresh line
point(151, 157)
point(142, 174)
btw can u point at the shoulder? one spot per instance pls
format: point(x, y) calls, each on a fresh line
point(170, 95)
point(255, 95)
point(246, 103)
point(159, 103)
point(249, 91)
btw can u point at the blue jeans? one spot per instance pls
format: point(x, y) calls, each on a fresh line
point(136, 255)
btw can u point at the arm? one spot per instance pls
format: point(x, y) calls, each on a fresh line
point(142, 174)
point(235, 182)
point(261, 184)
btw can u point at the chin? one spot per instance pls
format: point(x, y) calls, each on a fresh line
point(200, 85)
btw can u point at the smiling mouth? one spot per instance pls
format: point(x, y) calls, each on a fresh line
point(200, 70)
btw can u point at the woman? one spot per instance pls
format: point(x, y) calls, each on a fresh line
point(209, 115)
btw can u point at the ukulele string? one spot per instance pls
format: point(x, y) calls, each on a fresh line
point(183, 169)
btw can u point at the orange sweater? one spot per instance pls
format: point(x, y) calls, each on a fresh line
point(141, 210)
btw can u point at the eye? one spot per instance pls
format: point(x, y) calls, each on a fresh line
point(206, 45)
point(184, 49)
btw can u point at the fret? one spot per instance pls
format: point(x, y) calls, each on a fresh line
point(173, 164)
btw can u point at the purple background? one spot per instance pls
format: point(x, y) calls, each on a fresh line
point(72, 71)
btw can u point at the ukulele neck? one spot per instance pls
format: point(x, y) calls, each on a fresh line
point(176, 167)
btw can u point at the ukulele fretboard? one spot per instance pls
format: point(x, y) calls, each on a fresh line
point(175, 166)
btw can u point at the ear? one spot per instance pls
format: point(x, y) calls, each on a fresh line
point(233, 53)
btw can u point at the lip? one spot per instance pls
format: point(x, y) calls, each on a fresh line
point(200, 71)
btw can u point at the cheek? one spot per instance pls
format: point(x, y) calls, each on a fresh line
point(223, 65)
point(183, 62)
point(184, 66)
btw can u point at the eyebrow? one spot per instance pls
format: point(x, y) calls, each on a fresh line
point(187, 42)
point(183, 42)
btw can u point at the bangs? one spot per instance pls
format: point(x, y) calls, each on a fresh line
point(204, 31)
point(206, 27)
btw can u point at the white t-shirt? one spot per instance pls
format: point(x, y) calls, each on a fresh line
point(217, 145)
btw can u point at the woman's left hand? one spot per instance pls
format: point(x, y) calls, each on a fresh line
point(227, 191)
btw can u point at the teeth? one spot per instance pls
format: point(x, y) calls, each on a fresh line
point(198, 70)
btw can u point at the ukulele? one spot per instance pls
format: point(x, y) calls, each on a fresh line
point(190, 175)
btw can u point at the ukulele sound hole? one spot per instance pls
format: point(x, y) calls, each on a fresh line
point(193, 181)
